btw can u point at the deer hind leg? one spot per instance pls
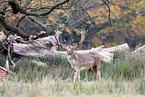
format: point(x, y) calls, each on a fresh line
point(98, 72)
point(97, 69)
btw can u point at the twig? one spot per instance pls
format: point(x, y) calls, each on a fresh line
point(20, 20)
point(7, 66)
point(9, 55)
point(4, 47)
point(3, 68)
point(42, 33)
point(36, 21)
point(109, 11)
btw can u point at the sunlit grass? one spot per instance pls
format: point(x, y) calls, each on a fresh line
point(49, 87)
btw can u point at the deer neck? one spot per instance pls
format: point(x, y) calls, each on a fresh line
point(72, 58)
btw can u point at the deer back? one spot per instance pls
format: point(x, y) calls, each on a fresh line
point(81, 60)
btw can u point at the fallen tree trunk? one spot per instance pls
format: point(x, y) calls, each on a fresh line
point(98, 51)
point(117, 48)
point(37, 47)
point(44, 46)
point(37, 51)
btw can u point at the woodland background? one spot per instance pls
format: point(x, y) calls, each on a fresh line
point(122, 22)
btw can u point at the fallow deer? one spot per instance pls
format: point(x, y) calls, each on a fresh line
point(80, 61)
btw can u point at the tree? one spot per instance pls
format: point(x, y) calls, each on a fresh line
point(19, 16)
point(34, 10)
point(127, 19)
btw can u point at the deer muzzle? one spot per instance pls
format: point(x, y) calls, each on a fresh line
point(69, 52)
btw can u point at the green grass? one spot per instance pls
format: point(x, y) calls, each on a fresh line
point(2, 60)
point(125, 76)
point(50, 87)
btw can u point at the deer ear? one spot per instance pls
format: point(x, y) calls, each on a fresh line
point(64, 46)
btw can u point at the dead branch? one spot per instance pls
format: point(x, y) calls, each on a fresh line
point(39, 35)
point(37, 22)
point(9, 54)
point(7, 67)
point(3, 68)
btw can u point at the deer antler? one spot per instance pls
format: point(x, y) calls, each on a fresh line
point(65, 42)
point(57, 33)
point(83, 35)
point(82, 32)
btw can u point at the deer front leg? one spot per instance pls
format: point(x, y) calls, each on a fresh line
point(97, 64)
point(98, 75)
point(77, 74)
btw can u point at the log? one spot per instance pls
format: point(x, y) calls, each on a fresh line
point(44, 46)
point(36, 50)
point(37, 47)
point(117, 48)
point(98, 51)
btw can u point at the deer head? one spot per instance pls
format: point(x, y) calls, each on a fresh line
point(70, 48)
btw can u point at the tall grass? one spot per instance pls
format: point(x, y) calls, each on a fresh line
point(2, 60)
point(125, 76)
point(126, 66)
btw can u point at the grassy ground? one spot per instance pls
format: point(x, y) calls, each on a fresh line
point(125, 76)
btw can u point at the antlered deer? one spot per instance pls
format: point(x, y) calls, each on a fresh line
point(80, 61)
